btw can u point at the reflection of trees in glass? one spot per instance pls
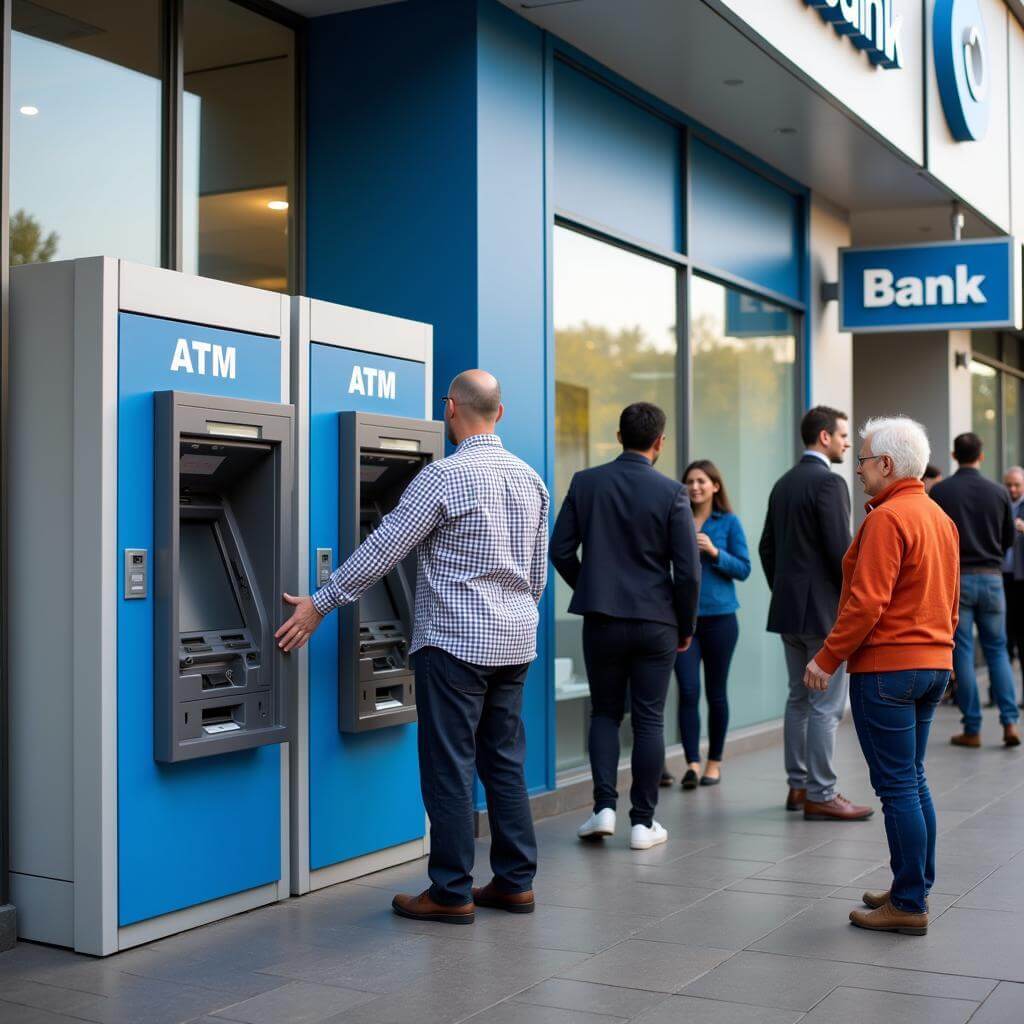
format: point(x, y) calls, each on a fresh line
point(28, 243)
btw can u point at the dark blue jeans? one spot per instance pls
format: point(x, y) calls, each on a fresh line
point(893, 712)
point(469, 717)
point(713, 644)
point(983, 603)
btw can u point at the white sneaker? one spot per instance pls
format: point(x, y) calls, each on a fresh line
point(643, 838)
point(598, 825)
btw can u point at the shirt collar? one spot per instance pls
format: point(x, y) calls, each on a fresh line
point(818, 455)
point(968, 471)
point(905, 484)
point(479, 439)
point(634, 457)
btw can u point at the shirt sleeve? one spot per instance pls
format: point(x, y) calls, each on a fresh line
point(734, 562)
point(565, 540)
point(419, 512)
point(539, 562)
point(871, 585)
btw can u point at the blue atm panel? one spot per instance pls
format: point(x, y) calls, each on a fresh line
point(363, 787)
point(197, 830)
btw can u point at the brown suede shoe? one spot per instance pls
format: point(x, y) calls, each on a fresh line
point(874, 900)
point(423, 908)
point(966, 739)
point(513, 902)
point(1011, 736)
point(888, 919)
point(795, 799)
point(836, 809)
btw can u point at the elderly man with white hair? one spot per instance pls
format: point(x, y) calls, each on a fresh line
point(897, 618)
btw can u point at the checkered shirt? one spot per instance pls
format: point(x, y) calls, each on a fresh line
point(479, 522)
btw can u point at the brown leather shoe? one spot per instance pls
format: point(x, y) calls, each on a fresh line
point(887, 918)
point(423, 908)
point(874, 900)
point(836, 809)
point(1011, 735)
point(966, 739)
point(795, 799)
point(513, 902)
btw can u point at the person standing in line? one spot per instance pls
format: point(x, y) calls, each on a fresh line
point(723, 559)
point(637, 587)
point(931, 476)
point(897, 616)
point(805, 537)
point(981, 510)
point(1013, 568)
point(479, 523)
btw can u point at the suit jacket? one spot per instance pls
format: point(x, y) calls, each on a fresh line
point(640, 557)
point(806, 534)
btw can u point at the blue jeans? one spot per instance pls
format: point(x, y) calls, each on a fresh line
point(983, 602)
point(713, 644)
point(469, 717)
point(892, 712)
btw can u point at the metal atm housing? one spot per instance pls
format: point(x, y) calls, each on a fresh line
point(222, 508)
point(379, 456)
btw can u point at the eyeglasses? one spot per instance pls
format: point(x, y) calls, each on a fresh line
point(445, 399)
point(868, 458)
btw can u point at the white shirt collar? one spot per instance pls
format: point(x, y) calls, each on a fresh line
point(819, 455)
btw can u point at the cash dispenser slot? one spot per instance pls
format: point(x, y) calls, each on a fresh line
point(380, 455)
point(222, 528)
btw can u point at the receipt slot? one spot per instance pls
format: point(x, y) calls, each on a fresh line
point(380, 455)
point(222, 503)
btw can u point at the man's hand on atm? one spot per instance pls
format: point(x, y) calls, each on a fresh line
point(301, 626)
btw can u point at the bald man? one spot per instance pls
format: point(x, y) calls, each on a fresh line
point(479, 523)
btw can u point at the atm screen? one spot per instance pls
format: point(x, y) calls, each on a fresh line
point(376, 604)
point(206, 600)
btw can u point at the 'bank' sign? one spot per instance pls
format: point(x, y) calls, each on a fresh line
point(872, 25)
point(937, 286)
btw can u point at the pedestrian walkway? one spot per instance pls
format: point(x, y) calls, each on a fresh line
point(740, 919)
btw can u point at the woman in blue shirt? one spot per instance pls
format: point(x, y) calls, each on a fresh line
point(724, 559)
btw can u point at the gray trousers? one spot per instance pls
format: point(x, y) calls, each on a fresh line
point(812, 717)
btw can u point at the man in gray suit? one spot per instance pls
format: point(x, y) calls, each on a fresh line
point(806, 534)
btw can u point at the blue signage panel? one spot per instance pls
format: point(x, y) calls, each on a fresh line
point(938, 286)
point(962, 67)
point(748, 317)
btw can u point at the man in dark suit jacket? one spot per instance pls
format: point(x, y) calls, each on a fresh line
point(806, 534)
point(637, 588)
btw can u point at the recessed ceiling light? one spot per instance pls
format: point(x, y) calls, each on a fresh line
point(277, 204)
point(786, 131)
point(733, 81)
point(28, 111)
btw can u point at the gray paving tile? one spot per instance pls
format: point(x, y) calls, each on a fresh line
point(521, 1013)
point(954, 877)
point(778, 887)
point(700, 870)
point(858, 1006)
point(43, 997)
point(590, 997)
point(920, 983)
point(13, 1013)
point(677, 1009)
point(649, 966)
point(764, 979)
point(555, 927)
point(807, 867)
point(1003, 1006)
point(624, 897)
point(727, 920)
point(744, 846)
point(298, 1002)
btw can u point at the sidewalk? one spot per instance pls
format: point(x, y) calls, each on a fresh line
point(740, 919)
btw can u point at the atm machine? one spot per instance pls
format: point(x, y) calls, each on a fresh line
point(151, 502)
point(361, 388)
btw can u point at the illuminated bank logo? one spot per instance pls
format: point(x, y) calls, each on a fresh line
point(872, 25)
point(372, 382)
point(204, 357)
point(962, 67)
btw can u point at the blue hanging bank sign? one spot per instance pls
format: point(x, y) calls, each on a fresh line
point(936, 286)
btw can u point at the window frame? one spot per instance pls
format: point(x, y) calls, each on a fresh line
point(1003, 369)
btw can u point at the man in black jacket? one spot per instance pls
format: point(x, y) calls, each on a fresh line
point(806, 534)
point(637, 588)
point(982, 512)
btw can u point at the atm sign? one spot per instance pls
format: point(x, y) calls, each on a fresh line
point(372, 382)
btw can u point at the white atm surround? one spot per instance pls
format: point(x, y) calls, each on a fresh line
point(63, 446)
point(325, 323)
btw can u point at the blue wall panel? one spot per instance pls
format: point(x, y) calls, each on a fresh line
point(742, 223)
point(614, 162)
point(197, 830)
point(363, 788)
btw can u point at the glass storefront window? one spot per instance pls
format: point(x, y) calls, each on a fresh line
point(985, 414)
point(85, 130)
point(238, 158)
point(615, 343)
point(744, 401)
point(1012, 422)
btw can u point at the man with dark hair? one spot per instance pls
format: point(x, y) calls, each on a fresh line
point(806, 534)
point(982, 512)
point(932, 476)
point(637, 588)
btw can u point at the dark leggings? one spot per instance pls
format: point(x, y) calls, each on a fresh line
point(713, 643)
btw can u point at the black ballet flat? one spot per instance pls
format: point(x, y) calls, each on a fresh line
point(707, 780)
point(690, 780)
point(667, 779)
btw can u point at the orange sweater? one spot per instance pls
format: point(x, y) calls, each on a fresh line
point(901, 587)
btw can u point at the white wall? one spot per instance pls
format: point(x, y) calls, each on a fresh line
point(1016, 50)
